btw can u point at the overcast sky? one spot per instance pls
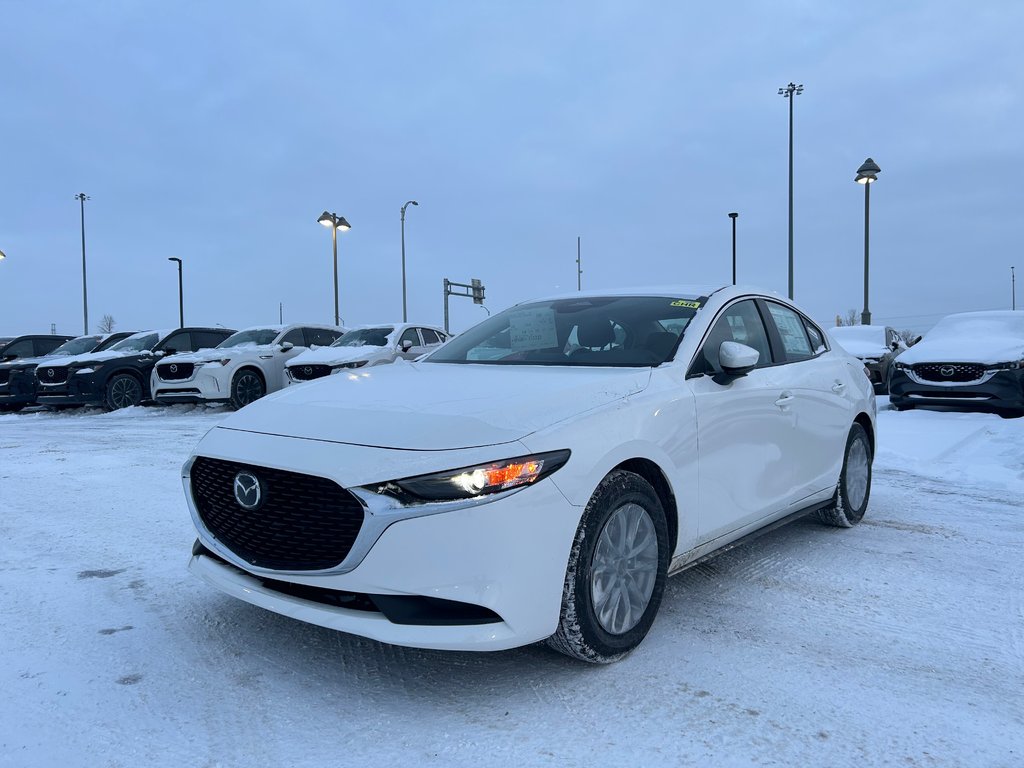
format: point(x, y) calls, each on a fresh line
point(218, 132)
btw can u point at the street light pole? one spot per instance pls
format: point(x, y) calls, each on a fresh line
point(866, 175)
point(579, 265)
point(181, 299)
point(1013, 288)
point(405, 315)
point(790, 92)
point(734, 216)
point(335, 222)
point(81, 197)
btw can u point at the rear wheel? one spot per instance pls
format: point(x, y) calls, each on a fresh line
point(123, 391)
point(246, 387)
point(616, 572)
point(851, 498)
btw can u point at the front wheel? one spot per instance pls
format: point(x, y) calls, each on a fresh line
point(851, 498)
point(616, 572)
point(246, 387)
point(123, 391)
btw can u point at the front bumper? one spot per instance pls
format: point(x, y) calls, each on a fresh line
point(507, 555)
point(79, 389)
point(205, 385)
point(19, 389)
point(1002, 390)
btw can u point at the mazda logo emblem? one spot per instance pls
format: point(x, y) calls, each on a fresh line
point(307, 370)
point(174, 367)
point(49, 372)
point(248, 492)
point(947, 370)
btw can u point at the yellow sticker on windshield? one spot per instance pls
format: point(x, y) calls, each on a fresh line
point(685, 303)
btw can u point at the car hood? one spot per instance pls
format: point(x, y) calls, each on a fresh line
point(220, 353)
point(436, 406)
point(97, 357)
point(32, 362)
point(999, 349)
point(334, 355)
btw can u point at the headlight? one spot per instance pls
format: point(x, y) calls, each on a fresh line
point(212, 363)
point(89, 369)
point(1017, 364)
point(479, 480)
point(901, 366)
point(348, 366)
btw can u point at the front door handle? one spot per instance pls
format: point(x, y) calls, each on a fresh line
point(838, 387)
point(784, 399)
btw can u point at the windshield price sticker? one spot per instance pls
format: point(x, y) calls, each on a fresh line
point(688, 303)
point(532, 329)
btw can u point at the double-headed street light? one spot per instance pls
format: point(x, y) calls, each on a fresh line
point(405, 317)
point(866, 174)
point(790, 92)
point(335, 222)
point(181, 299)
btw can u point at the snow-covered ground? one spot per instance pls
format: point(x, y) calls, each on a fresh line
point(900, 642)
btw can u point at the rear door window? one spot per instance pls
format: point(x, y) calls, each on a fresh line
point(429, 336)
point(321, 337)
point(793, 332)
point(178, 342)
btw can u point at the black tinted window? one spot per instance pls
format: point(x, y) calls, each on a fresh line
point(321, 337)
point(178, 342)
point(816, 337)
point(207, 339)
point(46, 346)
point(19, 349)
point(295, 337)
point(409, 335)
point(429, 336)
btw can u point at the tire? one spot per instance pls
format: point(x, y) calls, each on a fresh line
point(624, 505)
point(246, 387)
point(123, 391)
point(854, 489)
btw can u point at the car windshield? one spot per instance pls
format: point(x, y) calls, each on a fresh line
point(630, 331)
point(137, 343)
point(252, 336)
point(365, 337)
point(78, 346)
point(980, 326)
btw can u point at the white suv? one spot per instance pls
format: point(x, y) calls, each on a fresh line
point(366, 345)
point(245, 367)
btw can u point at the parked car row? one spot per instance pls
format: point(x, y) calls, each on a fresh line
point(193, 365)
point(968, 360)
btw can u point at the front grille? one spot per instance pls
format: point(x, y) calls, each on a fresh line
point(308, 372)
point(956, 372)
point(52, 374)
point(305, 523)
point(175, 371)
point(5, 375)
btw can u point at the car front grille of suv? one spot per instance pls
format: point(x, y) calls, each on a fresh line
point(960, 373)
point(175, 371)
point(52, 374)
point(296, 523)
point(308, 372)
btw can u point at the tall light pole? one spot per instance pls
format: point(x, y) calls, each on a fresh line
point(579, 266)
point(405, 315)
point(335, 222)
point(790, 92)
point(734, 216)
point(181, 299)
point(81, 197)
point(1013, 287)
point(866, 175)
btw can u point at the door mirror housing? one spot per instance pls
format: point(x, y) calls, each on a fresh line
point(286, 345)
point(406, 345)
point(737, 359)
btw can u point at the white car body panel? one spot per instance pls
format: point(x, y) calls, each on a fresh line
point(734, 455)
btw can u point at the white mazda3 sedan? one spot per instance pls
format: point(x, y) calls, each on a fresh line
point(539, 476)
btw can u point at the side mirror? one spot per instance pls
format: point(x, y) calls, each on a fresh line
point(166, 351)
point(286, 345)
point(406, 345)
point(914, 341)
point(737, 359)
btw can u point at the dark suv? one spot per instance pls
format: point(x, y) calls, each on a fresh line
point(119, 377)
point(29, 346)
point(18, 386)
